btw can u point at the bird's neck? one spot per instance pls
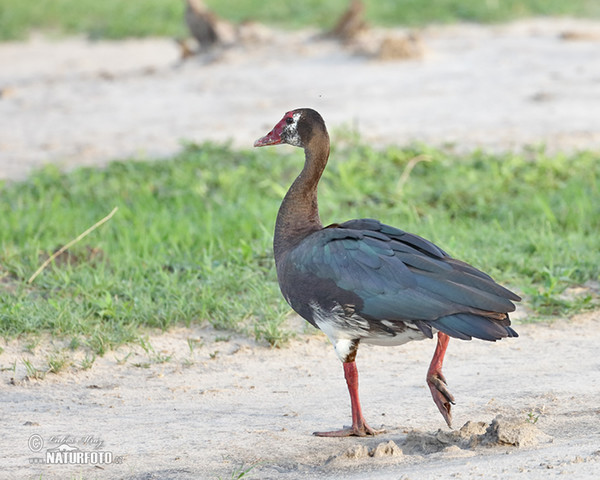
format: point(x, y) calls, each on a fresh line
point(298, 215)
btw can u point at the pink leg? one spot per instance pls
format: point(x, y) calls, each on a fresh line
point(436, 381)
point(359, 426)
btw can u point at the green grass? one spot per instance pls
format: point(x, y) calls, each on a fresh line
point(98, 19)
point(399, 12)
point(119, 18)
point(57, 362)
point(191, 241)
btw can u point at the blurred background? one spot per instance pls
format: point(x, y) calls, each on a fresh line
point(114, 19)
point(83, 82)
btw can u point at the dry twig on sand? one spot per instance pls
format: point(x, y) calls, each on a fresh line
point(71, 243)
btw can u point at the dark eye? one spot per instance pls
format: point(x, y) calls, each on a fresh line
point(289, 120)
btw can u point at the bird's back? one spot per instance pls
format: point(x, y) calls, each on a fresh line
point(379, 280)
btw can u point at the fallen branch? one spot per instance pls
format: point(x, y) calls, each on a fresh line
point(71, 243)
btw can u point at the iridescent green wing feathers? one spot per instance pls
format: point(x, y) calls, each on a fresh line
point(403, 277)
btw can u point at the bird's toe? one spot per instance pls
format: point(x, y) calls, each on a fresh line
point(441, 396)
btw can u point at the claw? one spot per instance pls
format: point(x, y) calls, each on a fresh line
point(441, 396)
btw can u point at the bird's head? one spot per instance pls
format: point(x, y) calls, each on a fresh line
point(297, 128)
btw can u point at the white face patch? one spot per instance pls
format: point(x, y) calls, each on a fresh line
point(291, 131)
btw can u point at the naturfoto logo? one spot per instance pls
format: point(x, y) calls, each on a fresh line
point(69, 449)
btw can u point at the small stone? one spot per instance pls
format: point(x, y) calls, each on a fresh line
point(453, 450)
point(472, 428)
point(389, 449)
point(512, 431)
point(357, 451)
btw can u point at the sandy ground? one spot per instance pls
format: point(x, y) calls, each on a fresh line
point(231, 403)
point(202, 414)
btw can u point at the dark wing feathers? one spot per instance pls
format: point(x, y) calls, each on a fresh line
point(403, 277)
point(422, 262)
point(372, 234)
point(366, 224)
point(446, 325)
point(468, 325)
point(424, 245)
point(407, 305)
point(369, 256)
point(464, 294)
point(471, 276)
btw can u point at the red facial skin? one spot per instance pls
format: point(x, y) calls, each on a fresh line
point(274, 136)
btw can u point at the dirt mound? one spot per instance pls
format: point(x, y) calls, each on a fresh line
point(502, 431)
point(471, 437)
point(383, 449)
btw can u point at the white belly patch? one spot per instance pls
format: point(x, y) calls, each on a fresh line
point(344, 330)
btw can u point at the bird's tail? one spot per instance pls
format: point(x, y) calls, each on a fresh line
point(468, 325)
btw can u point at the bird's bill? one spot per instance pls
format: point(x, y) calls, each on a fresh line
point(273, 137)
